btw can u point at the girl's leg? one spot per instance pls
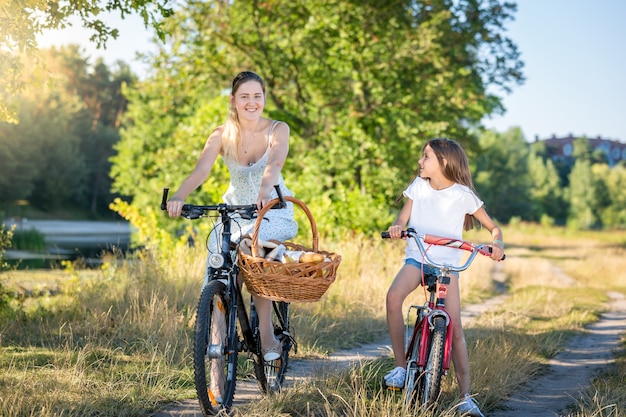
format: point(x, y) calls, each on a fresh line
point(459, 347)
point(405, 282)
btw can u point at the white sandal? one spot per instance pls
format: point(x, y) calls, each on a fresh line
point(271, 354)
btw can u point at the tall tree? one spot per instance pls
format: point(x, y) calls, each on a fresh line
point(22, 20)
point(60, 153)
point(546, 192)
point(362, 84)
point(583, 205)
point(502, 174)
point(614, 214)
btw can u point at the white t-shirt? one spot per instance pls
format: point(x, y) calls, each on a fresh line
point(441, 213)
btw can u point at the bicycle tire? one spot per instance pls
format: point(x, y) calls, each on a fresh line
point(215, 350)
point(411, 385)
point(430, 380)
point(270, 375)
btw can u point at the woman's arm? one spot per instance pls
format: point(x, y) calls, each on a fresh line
point(276, 160)
point(207, 158)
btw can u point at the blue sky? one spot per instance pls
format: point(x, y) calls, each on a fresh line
point(575, 66)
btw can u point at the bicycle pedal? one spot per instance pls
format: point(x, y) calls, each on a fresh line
point(396, 389)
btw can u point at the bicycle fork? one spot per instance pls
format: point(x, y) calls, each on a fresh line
point(421, 335)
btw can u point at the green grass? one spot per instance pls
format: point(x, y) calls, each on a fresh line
point(117, 341)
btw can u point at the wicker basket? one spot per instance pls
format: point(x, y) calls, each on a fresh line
point(292, 281)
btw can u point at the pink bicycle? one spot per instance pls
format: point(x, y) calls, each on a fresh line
point(428, 349)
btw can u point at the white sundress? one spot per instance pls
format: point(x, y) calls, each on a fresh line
point(245, 184)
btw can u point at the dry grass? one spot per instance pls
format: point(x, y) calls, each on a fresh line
point(116, 341)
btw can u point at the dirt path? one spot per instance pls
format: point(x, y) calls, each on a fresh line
point(567, 374)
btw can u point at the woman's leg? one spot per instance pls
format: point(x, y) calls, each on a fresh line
point(459, 347)
point(266, 329)
point(405, 282)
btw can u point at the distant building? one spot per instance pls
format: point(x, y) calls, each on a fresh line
point(562, 149)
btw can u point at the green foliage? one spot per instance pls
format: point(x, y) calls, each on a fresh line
point(361, 86)
point(502, 178)
point(28, 239)
point(546, 193)
point(6, 236)
point(59, 154)
point(613, 180)
point(583, 212)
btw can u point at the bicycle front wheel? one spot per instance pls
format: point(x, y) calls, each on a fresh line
point(430, 380)
point(411, 385)
point(215, 350)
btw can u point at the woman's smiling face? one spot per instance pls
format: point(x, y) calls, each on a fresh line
point(249, 100)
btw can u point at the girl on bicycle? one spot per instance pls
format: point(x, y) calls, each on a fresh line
point(254, 149)
point(441, 201)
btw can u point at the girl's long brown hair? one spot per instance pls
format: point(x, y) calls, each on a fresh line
point(456, 168)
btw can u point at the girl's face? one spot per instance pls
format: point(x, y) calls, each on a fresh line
point(249, 100)
point(429, 164)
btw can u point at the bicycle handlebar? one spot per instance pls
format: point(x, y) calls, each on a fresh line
point(247, 211)
point(448, 242)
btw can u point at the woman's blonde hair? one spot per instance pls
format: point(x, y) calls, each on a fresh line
point(455, 168)
point(231, 136)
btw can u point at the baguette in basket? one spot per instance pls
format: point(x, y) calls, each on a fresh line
point(276, 251)
point(304, 281)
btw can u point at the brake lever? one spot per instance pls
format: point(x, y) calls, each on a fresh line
point(249, 214)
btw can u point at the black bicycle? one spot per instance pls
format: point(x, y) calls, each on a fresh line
point(223, 327)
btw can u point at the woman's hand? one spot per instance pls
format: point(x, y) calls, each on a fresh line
point(175, 206)
point(395, 231)
point(265, 195)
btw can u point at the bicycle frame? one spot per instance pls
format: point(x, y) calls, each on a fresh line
point(434, 307)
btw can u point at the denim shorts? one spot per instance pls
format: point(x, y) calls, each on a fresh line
point(428, 270)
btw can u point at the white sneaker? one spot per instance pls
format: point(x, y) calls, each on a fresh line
point(469, 407)
point(395, 378)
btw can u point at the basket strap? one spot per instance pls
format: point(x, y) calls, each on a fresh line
point(267, 207)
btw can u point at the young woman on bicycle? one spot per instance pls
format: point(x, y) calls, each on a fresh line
point(254, 149)
point(441, 201)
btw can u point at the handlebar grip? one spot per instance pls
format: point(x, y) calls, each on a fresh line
point(489, 250)
point(282, 203)
point(164, 200)
point(385, 235)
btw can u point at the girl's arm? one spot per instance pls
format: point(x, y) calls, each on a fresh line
point(207, 158)
point(497, 247)
point(395, 230)
point(276, 160)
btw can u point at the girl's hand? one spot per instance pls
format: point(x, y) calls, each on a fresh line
point(175, 206)
point(496, 252)
point(395, 231)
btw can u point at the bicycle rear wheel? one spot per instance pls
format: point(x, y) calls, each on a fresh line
point(430, 380)
point(271, 374)
point(215, 350)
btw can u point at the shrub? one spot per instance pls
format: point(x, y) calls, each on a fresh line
point(29, 239)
